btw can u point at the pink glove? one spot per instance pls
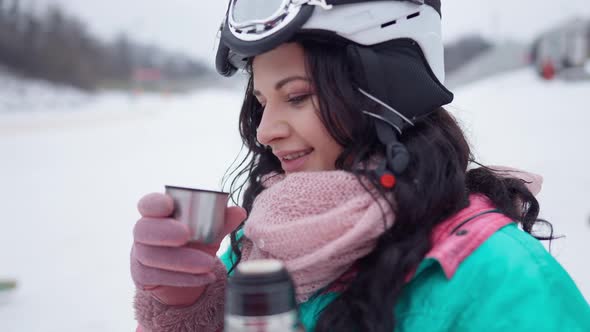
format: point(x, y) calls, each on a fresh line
point(162, 261)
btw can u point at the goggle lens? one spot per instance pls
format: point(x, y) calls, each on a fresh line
point(256, 11)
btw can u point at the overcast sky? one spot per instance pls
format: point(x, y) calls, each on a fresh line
point(189, 26)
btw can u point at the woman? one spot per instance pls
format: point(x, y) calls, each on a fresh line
point(358, 180)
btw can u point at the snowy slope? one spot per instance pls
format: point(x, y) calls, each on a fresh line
point(69, 188)
point(19, 94)
point(70, 182)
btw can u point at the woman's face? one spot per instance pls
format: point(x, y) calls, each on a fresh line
point(290, 123)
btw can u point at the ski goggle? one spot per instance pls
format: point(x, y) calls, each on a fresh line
point(252, 27)
point(252, 20)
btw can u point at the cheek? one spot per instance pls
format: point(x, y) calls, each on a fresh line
point(329, 149)
point(334, 152)
point(318, 136)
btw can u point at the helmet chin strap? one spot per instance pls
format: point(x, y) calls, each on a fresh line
point(397, 157)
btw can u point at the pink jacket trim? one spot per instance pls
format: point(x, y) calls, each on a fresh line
point(452, 244)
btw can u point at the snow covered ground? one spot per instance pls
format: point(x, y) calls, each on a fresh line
point(22, 94)
point(70, 179)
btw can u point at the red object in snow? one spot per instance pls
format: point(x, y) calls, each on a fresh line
point(147, 74)
point(548, 70)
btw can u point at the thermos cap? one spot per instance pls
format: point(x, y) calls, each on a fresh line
point(260, 288)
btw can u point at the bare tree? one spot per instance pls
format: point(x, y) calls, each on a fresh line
point(58, 48)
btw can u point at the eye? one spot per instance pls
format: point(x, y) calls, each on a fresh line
point(297, 100)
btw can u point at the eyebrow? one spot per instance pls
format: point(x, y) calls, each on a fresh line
point(284, 82)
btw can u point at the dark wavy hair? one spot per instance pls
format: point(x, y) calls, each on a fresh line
point(435, 185)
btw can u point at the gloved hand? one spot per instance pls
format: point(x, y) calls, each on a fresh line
point(162, 261)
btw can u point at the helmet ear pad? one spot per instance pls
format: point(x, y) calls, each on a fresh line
point(405, 81)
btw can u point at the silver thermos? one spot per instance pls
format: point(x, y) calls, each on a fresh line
point(260, 297)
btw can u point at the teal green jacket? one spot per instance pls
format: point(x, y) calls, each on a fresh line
point(509, 282)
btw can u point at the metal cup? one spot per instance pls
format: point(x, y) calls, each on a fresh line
point(202, 210)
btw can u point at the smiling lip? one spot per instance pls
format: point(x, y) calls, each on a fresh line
point(293, 165)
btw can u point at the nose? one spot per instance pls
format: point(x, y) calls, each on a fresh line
point(273, 126)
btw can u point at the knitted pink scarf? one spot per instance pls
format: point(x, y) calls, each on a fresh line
point(317, 223)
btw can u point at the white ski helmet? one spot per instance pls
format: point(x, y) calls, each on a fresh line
point(252, 27)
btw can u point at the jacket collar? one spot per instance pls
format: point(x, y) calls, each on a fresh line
point(459, 236)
